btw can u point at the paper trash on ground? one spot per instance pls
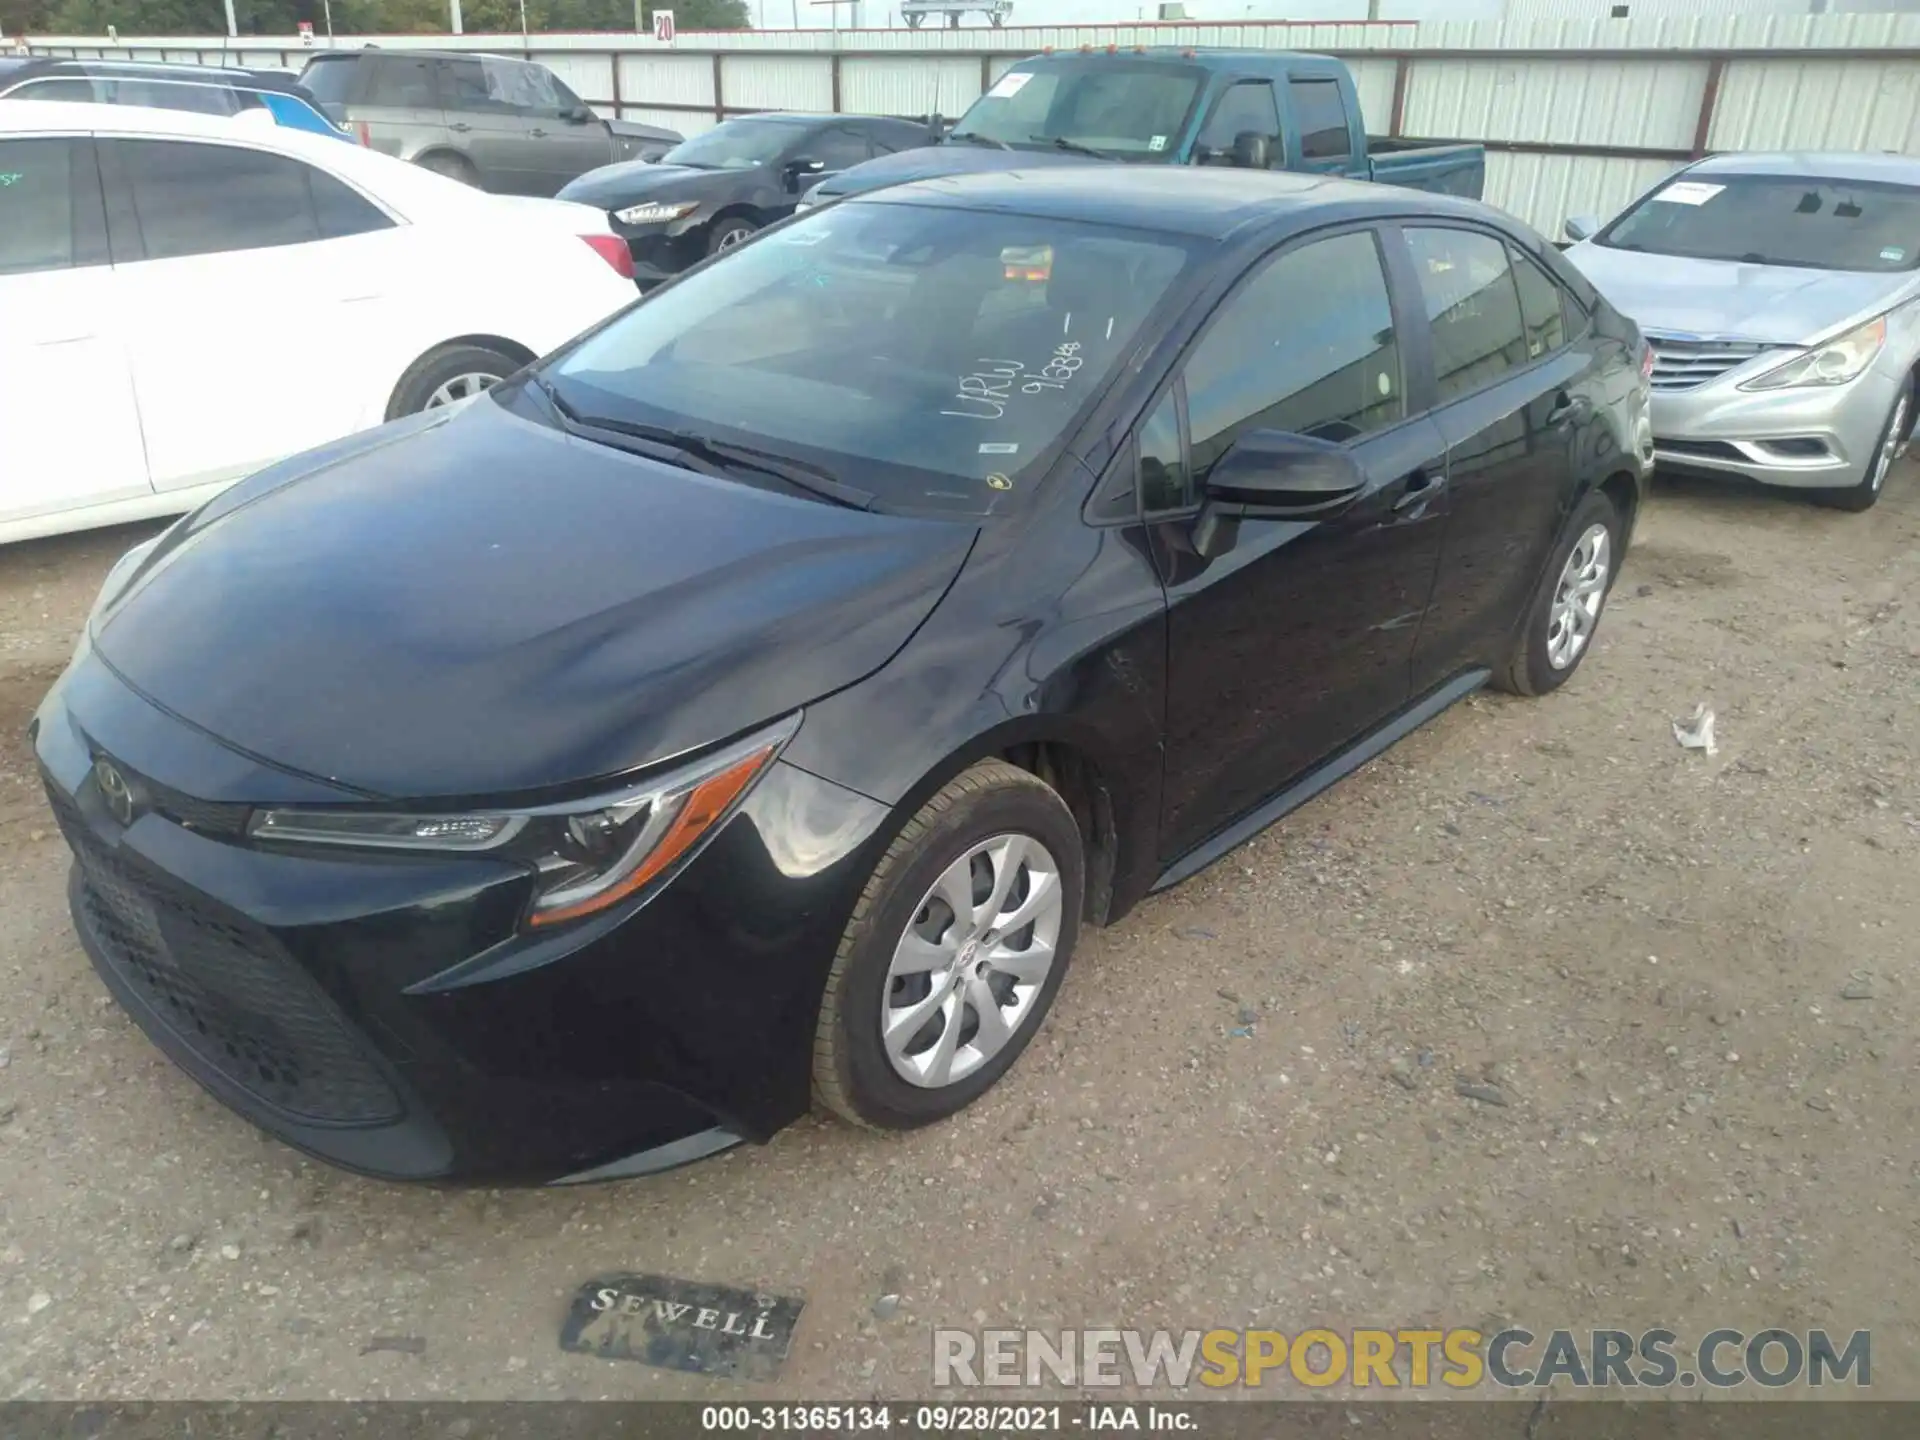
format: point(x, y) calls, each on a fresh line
point(1696, 731)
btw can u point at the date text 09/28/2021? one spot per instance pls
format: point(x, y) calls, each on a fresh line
point(963, 1419)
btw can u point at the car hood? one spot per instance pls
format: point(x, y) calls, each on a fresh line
point(482, 605)
point(631, 181)
point(932, 161)
point(633, 130)
point(1728, 299)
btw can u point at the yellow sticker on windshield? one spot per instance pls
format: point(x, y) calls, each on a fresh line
point(999, 482)
point(1028, 262)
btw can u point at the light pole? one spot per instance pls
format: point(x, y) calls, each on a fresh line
point(454, 6)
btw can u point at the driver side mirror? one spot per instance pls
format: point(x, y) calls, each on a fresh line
point(1579, 227)
point(1275, 475)
point(1252, 151)
point(802, 168)
point(577, 115)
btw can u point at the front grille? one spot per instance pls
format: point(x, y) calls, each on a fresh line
point(1688, 364)
point(224, 987)
point(208, 817)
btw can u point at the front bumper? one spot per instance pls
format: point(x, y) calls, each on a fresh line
point(388, 1015)
point(1814, 437)
point(662, 251)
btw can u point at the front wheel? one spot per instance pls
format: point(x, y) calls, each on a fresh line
point(1565, 613)
point(726, 234)
point(955, 951)
point(1893, 440)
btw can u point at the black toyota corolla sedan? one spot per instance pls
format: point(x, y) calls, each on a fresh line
point(748, 705)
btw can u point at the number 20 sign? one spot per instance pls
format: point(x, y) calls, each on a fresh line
point(663, 26)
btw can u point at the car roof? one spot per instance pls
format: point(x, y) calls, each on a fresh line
point(68, 117)
point(821, 117)
point(37, 66)
point(1816, 164)
point(1205, 200)
point(1205, 57)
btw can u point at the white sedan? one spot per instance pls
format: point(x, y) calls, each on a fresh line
point(183, 300)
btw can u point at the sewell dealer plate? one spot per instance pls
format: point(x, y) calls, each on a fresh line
point(682, 1325)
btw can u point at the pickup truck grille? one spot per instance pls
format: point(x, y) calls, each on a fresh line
point(1687, 364)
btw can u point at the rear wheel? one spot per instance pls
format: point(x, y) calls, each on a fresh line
point(448, 375)
point(1565, 614)
point(954, 952)
point(454, 167)
point(1893, 441)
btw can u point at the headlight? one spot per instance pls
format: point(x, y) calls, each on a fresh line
point(1834, 363)
point(654, 212)
point(586, 854)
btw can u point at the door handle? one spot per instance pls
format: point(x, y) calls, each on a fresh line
point(1422, 486)
point(461, 126)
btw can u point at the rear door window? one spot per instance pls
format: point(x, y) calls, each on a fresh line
point(1466, 282)
point(1541, 308)
point(50, 211)
point(60, 87)
point(1320, 112)
point(174, 95)
point(401, 84)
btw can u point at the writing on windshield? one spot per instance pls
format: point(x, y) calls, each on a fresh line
point(929, 356)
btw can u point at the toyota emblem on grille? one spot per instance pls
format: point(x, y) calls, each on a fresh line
point(115, 790)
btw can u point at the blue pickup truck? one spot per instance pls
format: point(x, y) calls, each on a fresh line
point(1257, 109)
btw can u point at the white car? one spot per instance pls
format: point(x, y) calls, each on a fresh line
point(183, 300)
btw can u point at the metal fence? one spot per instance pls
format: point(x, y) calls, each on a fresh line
point(1576, 115)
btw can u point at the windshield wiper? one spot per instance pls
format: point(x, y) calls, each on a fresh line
point(1060, 142)
point(974, 137)
point(720, 458)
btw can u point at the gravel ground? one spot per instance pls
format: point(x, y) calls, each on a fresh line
point(1684, 985)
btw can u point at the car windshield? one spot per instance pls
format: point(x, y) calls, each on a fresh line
point(935, 358)
point(1128, 110)
point(329, 81)
point(736, 145)
point(1819, 224)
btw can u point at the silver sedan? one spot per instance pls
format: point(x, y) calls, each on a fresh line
point(1781, 294)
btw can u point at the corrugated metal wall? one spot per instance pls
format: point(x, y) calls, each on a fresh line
point(1580, 115)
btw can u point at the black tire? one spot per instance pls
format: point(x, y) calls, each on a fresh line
point(852, 1074)
point(726, 233)
point(1530, 669)
point(445, 366)
point(1864, 495)
point(454, 167)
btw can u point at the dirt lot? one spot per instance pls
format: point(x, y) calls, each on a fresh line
point(1691, 981)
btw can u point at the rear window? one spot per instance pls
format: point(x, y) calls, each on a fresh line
point(330, 81)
